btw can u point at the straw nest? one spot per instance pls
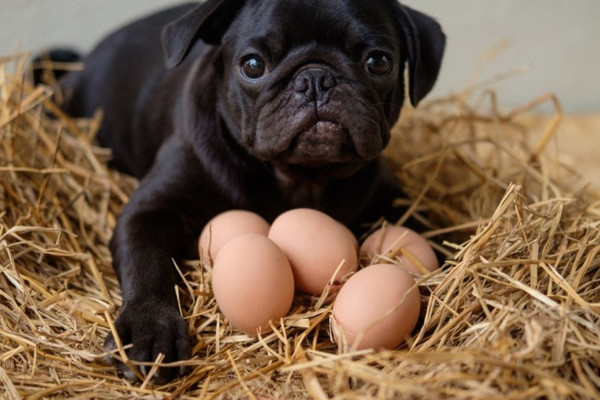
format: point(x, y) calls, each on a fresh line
point(513, 314)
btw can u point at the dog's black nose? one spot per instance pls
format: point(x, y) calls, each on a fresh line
point(314, 83)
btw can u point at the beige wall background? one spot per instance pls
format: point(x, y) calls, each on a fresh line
point(556, 41)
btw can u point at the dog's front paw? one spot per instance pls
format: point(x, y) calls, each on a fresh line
point(147, 330)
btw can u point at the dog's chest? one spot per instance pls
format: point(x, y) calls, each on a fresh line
point(301, 193)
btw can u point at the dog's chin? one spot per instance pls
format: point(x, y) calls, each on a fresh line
point(321, 143)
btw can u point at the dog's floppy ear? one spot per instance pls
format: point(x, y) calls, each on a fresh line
point(208, 21)
point(425, 43)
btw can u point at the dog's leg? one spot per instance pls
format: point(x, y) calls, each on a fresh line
point(156, 227)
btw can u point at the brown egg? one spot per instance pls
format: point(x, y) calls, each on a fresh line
point(316, 245)
point(252, 282)
point(378, 307)
point(404, 245)
point(226, 226)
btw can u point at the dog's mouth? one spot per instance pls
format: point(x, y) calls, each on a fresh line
point(331, 140)
point(324, 149)
point(324, 142)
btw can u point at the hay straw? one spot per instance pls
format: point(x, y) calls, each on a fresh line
point(514, 313)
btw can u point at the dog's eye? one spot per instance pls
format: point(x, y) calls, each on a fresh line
point(253, 67)
point(378, 63)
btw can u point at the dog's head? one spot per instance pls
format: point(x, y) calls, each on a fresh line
point(313, 86)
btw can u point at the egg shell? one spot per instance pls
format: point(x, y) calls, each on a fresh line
point(378, 307)
point(227, 225)
point(315, 245)
point(252, 282)
point(398, 239)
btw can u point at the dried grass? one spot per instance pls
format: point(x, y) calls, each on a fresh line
point(514, 314)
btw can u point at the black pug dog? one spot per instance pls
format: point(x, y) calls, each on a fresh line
point(263, 105)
